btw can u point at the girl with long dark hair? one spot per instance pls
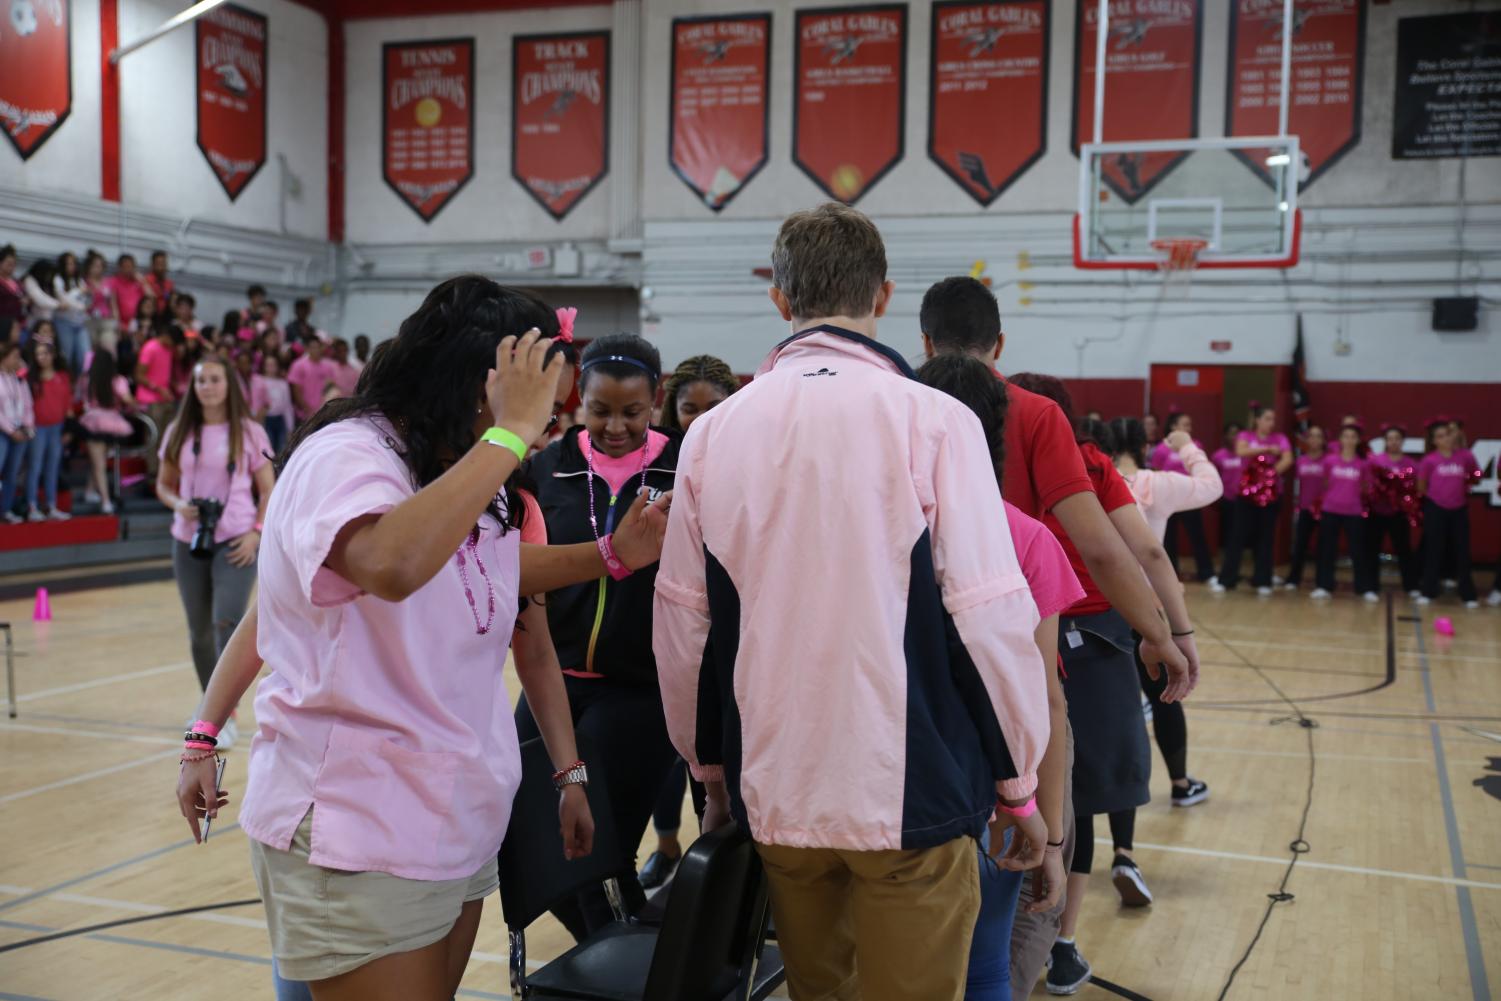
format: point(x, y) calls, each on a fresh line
point(106, 403)
point(1256, 506)
point(1445, 477)
point(1396, 476)
point(17, 427)
point(1346, 506)
point(1165, 458)
point(52, 397)
point(71, 315)
point(1311, 477)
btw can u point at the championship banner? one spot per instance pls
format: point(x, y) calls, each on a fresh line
point(718, 117)
point(427, 121)
point(1328, 52)
point(231, 47)
point(987, 117)
point(849, 100)
point(36, 72)
point(1151, 84)
point(560, 116)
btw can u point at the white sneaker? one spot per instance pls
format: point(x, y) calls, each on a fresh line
point(1449, 583)
point(106, 508)
point(1216, 587)
point(1494, 599)
point(1265, 592)
point(1371, 597)
point(57, 514)
point(1213, 580)
point(228, 735)
point(89, 497)
point(1277, 581)
point(11, 518)
point(1422, 599)
point(1472, 605)
point(1414, 594)
point(35, 515)
point(1289, 587)
point(1319, 594)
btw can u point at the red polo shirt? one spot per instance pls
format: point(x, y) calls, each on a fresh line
point(1042, 462)
point(1113, 494)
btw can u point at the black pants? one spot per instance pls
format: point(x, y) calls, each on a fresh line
point(667, 815)
point(1446, 532)
point(1255, 527)
point(1393, 526)
point(1192, 522)
point(1305, 527)
point(1352, 526)
point(628, 736)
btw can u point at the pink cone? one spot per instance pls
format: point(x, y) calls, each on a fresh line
point(43, 610)
point(1443, 625)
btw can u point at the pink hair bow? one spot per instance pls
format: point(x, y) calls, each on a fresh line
point(566, 315)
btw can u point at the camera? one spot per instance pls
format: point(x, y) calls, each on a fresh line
point(209, 511)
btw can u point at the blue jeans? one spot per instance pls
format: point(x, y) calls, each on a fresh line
point(72, 345)
point(990, 952)
point(46, 456)
point(12, 454)
point(276, 432)
point(289, 990)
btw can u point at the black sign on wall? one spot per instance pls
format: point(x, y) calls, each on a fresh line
point(1448, 101)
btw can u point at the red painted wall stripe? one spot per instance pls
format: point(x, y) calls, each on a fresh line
point(109, 102)
point(335, 128)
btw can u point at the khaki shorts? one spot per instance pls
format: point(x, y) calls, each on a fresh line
point(325, 922)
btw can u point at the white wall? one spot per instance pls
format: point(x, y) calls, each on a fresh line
point(69, 159)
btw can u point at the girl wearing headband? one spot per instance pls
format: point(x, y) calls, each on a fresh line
point(1444, 479)
point(1395, 505)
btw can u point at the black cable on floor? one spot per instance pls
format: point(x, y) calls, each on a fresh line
point(138, 919)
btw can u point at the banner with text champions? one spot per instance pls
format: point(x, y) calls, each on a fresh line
point(849, 96)
point(560, 114)
point(427, 121)
point(718, 122)
point(1328, 52)
point(232, 94)
point(36, 72)
point(1151, 84)
point(987, 120)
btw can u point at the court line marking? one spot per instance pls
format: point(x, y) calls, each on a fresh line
point(95, 734)
point(87, 776)
point(1303, 755)
point(7, 996)
point(133, 906)
point(113, 679)
point(1305, 863)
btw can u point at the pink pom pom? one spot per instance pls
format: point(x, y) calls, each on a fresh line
point(566, 316)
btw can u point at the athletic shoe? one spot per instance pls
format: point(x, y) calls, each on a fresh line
point(1372, 597)
point(1192, 794)
point(228, 734)
point(1217, 588)
point(57, 515)
point(35, 515)
point(89, 497)
point(1320, 594)
point(1146, 708)
point(1277, 581)
point(1494, 598)
point(1067, 970)
point(1422, 599)
point(1472, 605)
point(1265, 592)
point(107, 508)
point(1129, 882)
point(11, 518)
point(658, 870)
point(1289, 586)
point(1450, 583)
point(1414, 594)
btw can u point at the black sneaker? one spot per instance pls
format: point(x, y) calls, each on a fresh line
point(1067, 970)
point(1129, 882)
point(657, 870)
point(1190, 795)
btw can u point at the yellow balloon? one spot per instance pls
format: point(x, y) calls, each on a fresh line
point(847, 181)
point(429, 112)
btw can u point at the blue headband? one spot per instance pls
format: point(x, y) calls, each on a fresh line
point(622, 359)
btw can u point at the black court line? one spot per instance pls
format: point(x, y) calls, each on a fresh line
point(1114, 988)
point(121, 922)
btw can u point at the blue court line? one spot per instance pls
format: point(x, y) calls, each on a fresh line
point(4, 996)
point(1479, 984)
point(148, 856)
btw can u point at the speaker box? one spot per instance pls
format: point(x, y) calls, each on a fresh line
point(1459, 314)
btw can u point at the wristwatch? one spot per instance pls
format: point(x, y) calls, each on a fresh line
point(576, 774)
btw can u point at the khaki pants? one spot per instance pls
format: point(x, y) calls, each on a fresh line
point(874, 926)
point(1033, 935)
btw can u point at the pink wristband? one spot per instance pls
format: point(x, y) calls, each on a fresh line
point(197, 745)
point(1019, 812)
point(617, 569)
point(205, 727)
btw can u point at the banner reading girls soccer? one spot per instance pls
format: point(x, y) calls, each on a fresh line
point(36, 72)
point(849, 103)
point(987, 122)
point(718, 118)
point(427, 121)
point(1151, 84)
point(560, 116)
point(231, 47)
point(1328, 52)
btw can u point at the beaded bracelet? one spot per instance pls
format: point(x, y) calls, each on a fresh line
point(189, 757)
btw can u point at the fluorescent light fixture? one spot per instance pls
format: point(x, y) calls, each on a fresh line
point(193, 13)
point(1278, 160)
point(1282, 206)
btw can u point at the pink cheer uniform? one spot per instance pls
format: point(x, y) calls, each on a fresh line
point(1348, 483)
point(1449, 478)
point(1312, 476)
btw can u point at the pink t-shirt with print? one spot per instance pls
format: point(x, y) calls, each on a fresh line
point(1054, 586)
point(1312, 477)
point(1349, 481)
point(1449, 478)
point(157, 359)
point(206, 473)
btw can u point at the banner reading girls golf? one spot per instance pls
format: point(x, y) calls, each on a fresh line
point(1151, 84)
point(427, 121)
point(849, 102)
point(718, 119)
point(560, 116)
point(988, 90)
point(1328, 52)
point(231, 47)
point(36, 78)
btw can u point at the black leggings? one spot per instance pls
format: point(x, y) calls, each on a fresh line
point(1192, 523)
point(1395, 527)
point(1256, 527)
point(1122, 834)
point(627, 734)
point(1304, 529)
point(1446, 533)
point(667, 815)
point(1353, 527)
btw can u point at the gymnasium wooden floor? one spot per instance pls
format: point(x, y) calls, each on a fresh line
point(1398, 895)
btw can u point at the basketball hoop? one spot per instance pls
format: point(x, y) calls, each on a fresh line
point(1180, 258)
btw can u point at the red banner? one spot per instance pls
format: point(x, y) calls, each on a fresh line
point(719, 115)
point(1151, 84)
point(987, 117)
point(560, 116)
point(231, 46)
point(427, 121)
point(1328, 52)
point(36, 72)
point(849, 106)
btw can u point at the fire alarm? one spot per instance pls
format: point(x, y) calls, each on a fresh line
point(1219, 347)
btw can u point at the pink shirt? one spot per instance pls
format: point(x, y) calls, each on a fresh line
point(1161, 494)
point(207, 474)
point(1230, 466)
point(618, 472)
point(1399, 465)
point(1312, 477)
point(391, 718)
point(273, 395)
point(1449, 479)
point(1275, 444)
point(157, 359)
point(311, 378)
point(1164, 458)
point(346, 377)
point(1045, 564)
point(1349, 481)
point(128, 295)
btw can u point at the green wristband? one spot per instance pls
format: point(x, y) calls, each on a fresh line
point(506, 439)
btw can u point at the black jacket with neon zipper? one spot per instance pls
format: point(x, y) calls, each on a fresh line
point(604, 626)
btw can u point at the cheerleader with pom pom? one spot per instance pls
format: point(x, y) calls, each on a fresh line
point(1268, 455)
point(1396, 508)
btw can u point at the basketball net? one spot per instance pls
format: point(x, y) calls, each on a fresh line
point(1180, 258)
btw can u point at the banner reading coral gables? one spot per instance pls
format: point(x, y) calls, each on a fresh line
point(719, 112)
point(36, 72)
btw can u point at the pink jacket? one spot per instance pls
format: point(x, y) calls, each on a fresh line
point(1160, 495)
point(842, 631)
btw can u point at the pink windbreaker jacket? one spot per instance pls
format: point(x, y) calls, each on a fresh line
point(1161, 494)
point(843, 633)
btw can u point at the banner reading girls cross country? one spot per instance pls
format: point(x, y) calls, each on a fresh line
point(427, 121)
point(36, 72)
point(231, 47)
point(1328, 52)
point(987, 120)
point(560, 141)
point(718, 118)
point(1151, 84)
point(849, 100)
